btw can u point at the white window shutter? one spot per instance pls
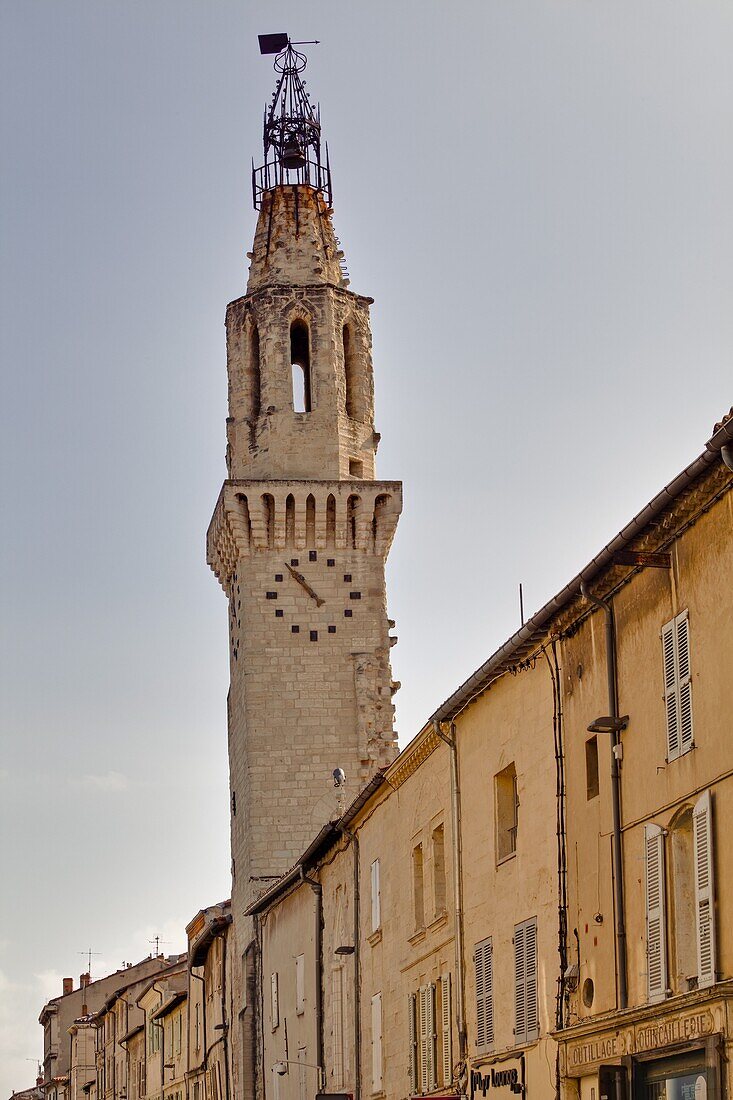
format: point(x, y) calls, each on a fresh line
point(377, 1042)
point(376, 897)
point(484, 973)
point(422, 1021)
point(684, 676)
point(446, 1053)
point(300, 983)
point(520, 993)
point(702, 826)
point(671, 698)
point(530, 979)
point(432, 1075)
point(412, 1017)
point(656, 919)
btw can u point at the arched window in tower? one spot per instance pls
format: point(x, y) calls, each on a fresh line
point(268, 510)
point(353, 508)
point(254, 373)
point(684, 953)
point(290, 520)
point(310, 521)
point(353, 404)
point(246, 520)
point(331, 520)
point(301, 366)
point(380, 506)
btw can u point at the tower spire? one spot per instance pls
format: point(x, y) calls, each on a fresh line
point(292, 128)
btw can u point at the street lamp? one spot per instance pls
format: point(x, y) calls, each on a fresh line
point(281, 1068)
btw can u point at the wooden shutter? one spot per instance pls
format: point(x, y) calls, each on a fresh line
point(677, 685)
point(412, 1013)
point(530, 979)
point(432, 1037)
point(702, 827)
point(377, 1042)
point(656, 920)
point(484, 972)
point(520, 995)
point(682, 637)
point(376, 897)
point(423, 1036)
point(445, 1049)
point(526, 1024)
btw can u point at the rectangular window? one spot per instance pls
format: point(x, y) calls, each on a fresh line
point(377, 1042)
point(592, 786)
point(677, 685)
point(526, 1007)
point(418, 886)
point(376, 897)
point(439, 885)
point(507, 806)
point(483, 962)
point(197, 1027)
point(274, 1001)
point(300, 984)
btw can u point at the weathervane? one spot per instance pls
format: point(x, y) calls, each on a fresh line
point(292, 127)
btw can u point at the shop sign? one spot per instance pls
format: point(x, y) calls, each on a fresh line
point(657, 1035)
point(678, 1029)
point(501, 1075)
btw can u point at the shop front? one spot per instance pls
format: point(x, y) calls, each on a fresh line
point(663, 1053)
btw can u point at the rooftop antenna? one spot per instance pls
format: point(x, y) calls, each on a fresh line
point(157, 941)
point(89, 953)
point(521, 603)
point(291, 135)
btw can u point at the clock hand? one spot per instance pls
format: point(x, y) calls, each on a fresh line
point(304, 584)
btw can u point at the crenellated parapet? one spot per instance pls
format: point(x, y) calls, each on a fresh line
point(254, 515)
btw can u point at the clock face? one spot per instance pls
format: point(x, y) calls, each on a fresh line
point(336, 610)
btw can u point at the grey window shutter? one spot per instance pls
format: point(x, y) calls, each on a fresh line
point(671, 700)
point(702, 826)
point(684, 678)
point(520, 991)
point(656, 919)
point(483, 962)
point(530, 979)
point(432, 1037)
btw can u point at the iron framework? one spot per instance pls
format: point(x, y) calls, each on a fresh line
point(291, 134)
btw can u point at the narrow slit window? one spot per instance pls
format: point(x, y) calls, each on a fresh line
point(301, 366)
point(350, 375)
point(591, 768)
point(418, 886)
point(254, 372)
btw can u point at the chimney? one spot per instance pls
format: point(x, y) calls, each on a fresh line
point(68, 986)
point(84, 980)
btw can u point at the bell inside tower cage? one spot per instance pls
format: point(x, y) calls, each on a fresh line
point(292, 129)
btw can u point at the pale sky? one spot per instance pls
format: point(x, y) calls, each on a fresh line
point(536, 193)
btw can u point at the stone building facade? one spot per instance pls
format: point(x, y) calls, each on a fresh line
point(460, 928)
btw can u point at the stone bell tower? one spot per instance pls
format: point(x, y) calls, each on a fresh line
point(301, 530)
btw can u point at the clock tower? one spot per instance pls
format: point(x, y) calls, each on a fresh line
point(302, 528)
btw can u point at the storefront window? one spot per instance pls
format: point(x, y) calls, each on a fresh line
point(682, 1078)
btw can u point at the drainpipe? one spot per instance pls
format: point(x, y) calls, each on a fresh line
point(455, 799)
point(318, 891)
point(353, 838)
point(224, 1016)
point(618, 870)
